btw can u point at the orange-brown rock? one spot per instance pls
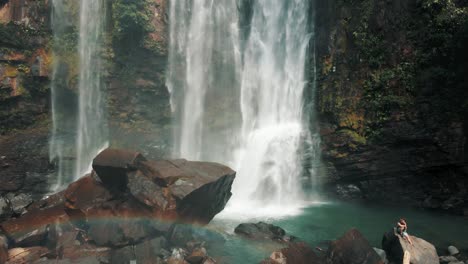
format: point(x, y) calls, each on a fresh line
point(26, 255)
point(31, 228)
point(112, 166)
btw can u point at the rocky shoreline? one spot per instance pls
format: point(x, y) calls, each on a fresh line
point(133, 210)
point(127, 209)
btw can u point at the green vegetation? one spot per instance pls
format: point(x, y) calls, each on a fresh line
point(131, 23)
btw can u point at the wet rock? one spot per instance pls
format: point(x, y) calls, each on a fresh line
point(19, 202)
point(181, 234)
point(26, 255)
point(31, 227)
point(382, 254)
point(447, 259)
point(348, 191)
point(36, 237)
point(151, 251)
point(177, 257)
point(421, 251)
point(122, 255)
point(5, 210)
point(112, 165)
point(263, 231)
point(352, 248)
point(146, 191)
point(452, 250)
point(3, 249)
point(84, 194)
point(197, 256)
point(201, 189)
point(295, 253)
point(85, 254)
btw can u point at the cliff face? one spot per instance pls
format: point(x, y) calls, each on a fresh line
point(134, 55)
point(392, 99)
point(139, 109)
point(25, 58)
point(24, 64)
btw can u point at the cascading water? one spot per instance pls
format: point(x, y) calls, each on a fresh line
point(268, 90)
point(79, 126)
point(269, 163)
point(204, 62)
point(92, 134)
point(62, 141)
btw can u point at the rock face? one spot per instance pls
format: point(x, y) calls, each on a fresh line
point(422, 252)
point(101, 216)
point(388, 125)
point(352, 248)
point(263, 231)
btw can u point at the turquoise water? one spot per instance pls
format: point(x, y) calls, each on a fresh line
point(328, 221)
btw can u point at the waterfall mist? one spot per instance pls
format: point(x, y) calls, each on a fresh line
point(62, 143)
point(204, 63)
point(92, 134)
point(270, 144)
point(79, 124)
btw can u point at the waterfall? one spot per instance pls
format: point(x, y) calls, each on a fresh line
point(273, 80)
point(204, 62)
point(91, 135)
point(79, 125)
point(62, 143)
point(271, 139)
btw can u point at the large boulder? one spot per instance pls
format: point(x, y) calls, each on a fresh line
point(421, 252)
point(182, 190)
point(263, 231)
point(352, 248)
point(112, 166)
point(200, 189)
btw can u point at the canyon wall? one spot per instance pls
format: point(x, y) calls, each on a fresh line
point(392, 100)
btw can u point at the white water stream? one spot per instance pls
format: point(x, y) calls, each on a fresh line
point(266, 142)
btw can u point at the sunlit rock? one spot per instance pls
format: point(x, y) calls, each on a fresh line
point(421, 251)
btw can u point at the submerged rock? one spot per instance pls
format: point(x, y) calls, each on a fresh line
point(422, 252)
point(352, 248)
point(263, 231)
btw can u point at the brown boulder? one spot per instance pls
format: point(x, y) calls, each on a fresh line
point(201, 190)
point(352, 248)
point(112, 166)
point(31, 228)
point(421, 251)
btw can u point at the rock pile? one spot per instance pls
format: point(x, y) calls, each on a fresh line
point(126, 209)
